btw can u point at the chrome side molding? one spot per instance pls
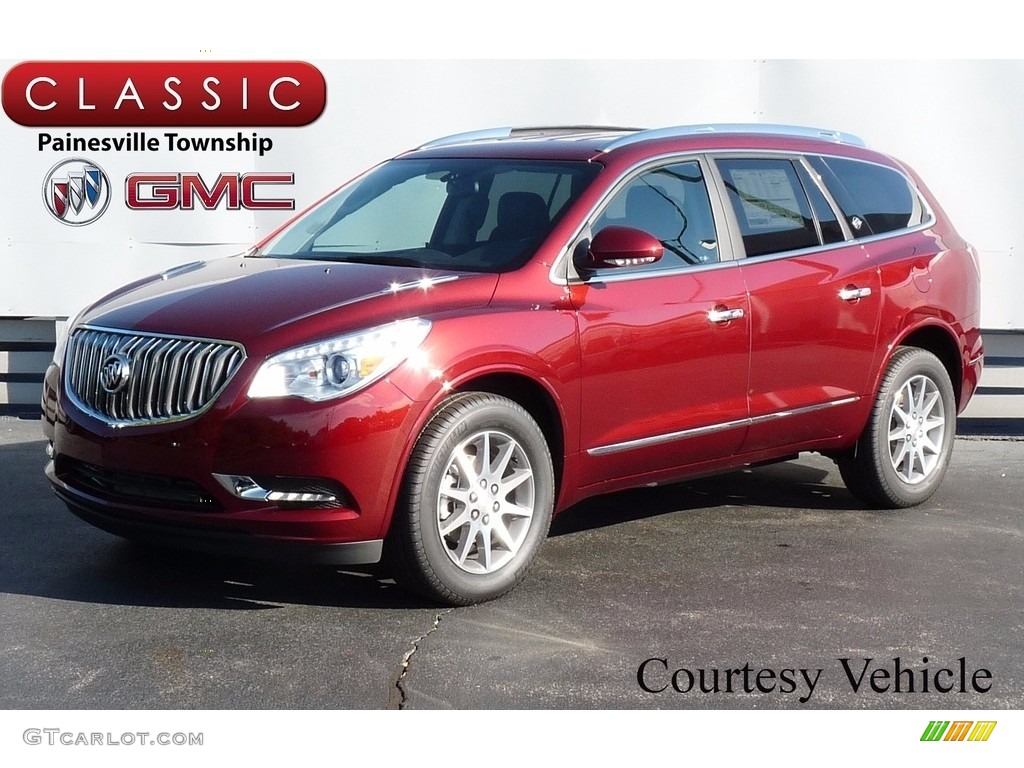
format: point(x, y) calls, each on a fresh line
point(683, 434)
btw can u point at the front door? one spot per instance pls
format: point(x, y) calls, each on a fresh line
point(665, 346)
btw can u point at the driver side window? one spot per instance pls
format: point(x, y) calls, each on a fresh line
point(671, 203)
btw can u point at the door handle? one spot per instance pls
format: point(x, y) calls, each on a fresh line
point(724, 315)
point(852, 293)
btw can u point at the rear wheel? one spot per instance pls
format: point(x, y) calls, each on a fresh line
point(476, 501)
point(902, 455)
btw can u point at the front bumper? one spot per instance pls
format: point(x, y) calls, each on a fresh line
point(128, 524)
point(159, 483)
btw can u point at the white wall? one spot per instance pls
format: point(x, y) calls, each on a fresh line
point(954, 121)
point(957, 123)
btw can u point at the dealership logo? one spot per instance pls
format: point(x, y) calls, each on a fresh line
point(164, 93)
point(186, 191)
point(76, 192)
point(958, 730)
point(114, 373)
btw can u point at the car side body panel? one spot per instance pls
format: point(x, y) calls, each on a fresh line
point(811, 349)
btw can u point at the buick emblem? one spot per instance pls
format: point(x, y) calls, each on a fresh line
point(114, 373)
point(76, 192)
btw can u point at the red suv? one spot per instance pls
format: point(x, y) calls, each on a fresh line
point(493, 326)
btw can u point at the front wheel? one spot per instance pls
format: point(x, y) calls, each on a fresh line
point(476, 501)
point(902, 455)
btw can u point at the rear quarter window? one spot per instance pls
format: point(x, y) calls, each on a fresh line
point(874, 199)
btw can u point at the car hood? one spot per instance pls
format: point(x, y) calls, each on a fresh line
point(257, 300)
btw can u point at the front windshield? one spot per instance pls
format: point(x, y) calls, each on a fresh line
point(484, 215)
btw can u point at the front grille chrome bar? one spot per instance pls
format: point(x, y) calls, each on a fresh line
point(150, 378)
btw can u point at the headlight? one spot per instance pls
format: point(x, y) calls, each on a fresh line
point(339, 366)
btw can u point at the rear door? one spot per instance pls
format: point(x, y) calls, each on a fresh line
point(814, 302)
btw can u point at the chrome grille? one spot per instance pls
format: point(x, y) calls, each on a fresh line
point(170, 378)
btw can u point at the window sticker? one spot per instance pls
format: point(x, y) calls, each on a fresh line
point(769, 200)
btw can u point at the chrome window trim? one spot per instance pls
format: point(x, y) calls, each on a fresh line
point(723, 213)
point(726, 253)
point(123, 423)
point(801, 157)
point(615, 276)
point(815, 177)
point(683, 434)
point(729, 220)
point(733, 220)
point(789, 154)
point(832, 246)
point(925, 223)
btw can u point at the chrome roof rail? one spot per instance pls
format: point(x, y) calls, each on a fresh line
point(762, 129)
point(467, 136)
point(491, 134)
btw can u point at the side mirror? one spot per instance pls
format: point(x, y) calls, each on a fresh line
point(623, 247)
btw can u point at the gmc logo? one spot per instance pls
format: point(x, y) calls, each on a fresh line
point(170, 191)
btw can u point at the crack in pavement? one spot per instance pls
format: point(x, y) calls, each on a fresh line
point(396, 697)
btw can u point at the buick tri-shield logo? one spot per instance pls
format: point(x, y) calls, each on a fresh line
point(76, 192)
point(114, 373)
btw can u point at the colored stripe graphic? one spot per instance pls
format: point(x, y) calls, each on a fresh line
point(935, 730)
point(958, 730)
point(982, 730)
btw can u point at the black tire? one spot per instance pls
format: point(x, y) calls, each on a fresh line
point(902, 455)
point(461, 533)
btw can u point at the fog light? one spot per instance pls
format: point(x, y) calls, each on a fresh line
point(49, 450)
point(243, 487)
point(314, 498)
point(289, 490)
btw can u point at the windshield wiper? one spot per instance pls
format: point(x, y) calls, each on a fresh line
point(383, 259)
